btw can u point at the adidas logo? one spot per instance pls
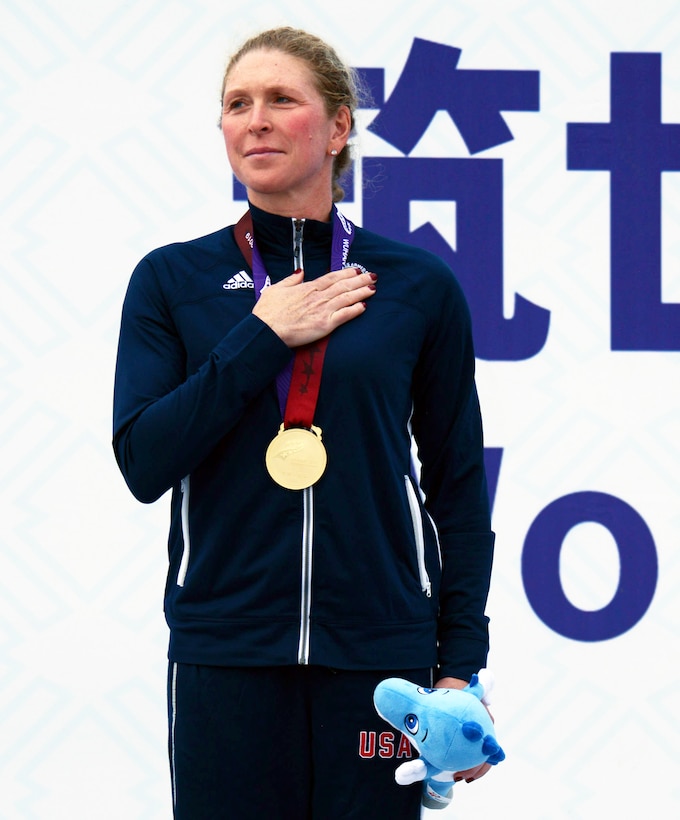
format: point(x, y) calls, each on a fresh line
point(238, 281)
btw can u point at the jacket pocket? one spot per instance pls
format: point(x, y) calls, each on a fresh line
point(185, 486)
point(417, 522)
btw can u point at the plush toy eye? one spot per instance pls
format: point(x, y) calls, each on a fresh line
point(411, 723)
point(422, 690)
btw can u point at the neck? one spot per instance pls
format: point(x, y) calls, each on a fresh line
point(293, 207)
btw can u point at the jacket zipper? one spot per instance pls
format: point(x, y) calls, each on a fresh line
point(185, 486)
point(307, 507)
point(306, 581)
point(417, 520)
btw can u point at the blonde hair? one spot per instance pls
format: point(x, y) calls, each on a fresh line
point(337, 83)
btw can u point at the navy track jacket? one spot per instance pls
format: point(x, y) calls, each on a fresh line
point(355, 572)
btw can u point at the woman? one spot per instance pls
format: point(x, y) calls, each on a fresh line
point(277, 400)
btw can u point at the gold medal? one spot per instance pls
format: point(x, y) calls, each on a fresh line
point(296, 458)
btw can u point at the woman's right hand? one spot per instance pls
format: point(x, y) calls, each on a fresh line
point(301, 312)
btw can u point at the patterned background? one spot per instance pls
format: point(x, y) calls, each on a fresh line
point(109, 148)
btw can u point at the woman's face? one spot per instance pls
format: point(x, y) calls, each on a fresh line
point(278, 134)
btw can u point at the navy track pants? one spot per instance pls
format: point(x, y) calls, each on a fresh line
point(285, 743)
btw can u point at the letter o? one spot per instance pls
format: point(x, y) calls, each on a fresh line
point(541, 566)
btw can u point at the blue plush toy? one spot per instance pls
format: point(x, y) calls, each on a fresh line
point(450, 728)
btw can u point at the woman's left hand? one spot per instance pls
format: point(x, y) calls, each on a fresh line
point(469, 775)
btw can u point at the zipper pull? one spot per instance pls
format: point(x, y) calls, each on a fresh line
point(298, 225)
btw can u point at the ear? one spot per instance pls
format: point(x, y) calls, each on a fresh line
point(342, 127)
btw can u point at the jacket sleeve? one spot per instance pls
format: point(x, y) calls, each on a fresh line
point(448, 431)
point(165, 421)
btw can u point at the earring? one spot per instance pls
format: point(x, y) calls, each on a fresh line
point(334, 152)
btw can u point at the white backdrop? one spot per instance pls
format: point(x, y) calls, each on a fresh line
point(109, 148)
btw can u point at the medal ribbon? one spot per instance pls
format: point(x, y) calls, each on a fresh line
point(298, 385)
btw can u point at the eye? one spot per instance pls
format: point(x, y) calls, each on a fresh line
point(412, 723)
point(422, 690)
point(233, 104)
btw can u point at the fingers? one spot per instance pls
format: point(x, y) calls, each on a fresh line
point(470, 775)
point(349, 291)
point(294, 279)
point(335, 290)
point(343, 279)
point(347, 280)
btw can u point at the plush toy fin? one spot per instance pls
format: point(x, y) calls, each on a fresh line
point(410, 772)
point(472, 730)
point(475, 688)
point(491, 748)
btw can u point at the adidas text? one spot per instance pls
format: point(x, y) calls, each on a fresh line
point(238, 281)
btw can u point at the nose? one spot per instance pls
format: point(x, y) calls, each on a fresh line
point(259, 122)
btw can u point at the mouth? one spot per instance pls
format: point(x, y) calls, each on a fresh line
point(262, 151)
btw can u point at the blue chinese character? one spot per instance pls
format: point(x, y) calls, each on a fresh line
point(430, 82)
point(635, 147)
